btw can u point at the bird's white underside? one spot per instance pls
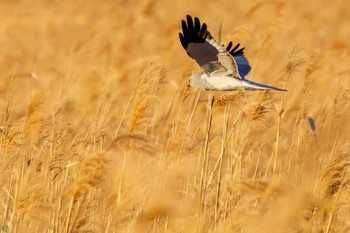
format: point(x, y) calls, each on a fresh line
point(219, 82)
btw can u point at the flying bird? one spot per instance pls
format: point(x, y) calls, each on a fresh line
point(223, 69)
point(311, 123)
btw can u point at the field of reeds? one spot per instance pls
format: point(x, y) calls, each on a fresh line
point(99, 132)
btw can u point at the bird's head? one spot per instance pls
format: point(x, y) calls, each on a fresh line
point(195, 80)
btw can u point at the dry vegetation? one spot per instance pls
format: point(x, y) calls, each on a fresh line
point(98, 132)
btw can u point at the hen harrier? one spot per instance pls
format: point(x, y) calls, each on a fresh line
point(222, 69)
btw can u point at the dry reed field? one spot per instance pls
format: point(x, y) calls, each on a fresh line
point(99, 132)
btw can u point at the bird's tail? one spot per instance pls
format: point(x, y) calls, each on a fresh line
point(259, 86)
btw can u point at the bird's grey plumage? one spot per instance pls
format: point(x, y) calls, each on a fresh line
point(222, 69)
point(209, 54)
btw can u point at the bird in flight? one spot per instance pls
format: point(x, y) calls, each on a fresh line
point(223, 69)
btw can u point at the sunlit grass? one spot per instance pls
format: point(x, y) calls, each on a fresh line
point(99, 133)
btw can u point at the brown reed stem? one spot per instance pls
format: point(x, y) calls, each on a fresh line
point(205, 164)
point(221, 158)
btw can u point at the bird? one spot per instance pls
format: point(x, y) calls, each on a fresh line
point(311, 123)
point(223, 69)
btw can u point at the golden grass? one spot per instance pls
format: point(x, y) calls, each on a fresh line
point(99, 133)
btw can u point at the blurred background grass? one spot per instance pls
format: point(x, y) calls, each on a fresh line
point(99, 132)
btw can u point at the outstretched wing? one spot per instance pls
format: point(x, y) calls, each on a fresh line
point(240, 59)
point(209, 54)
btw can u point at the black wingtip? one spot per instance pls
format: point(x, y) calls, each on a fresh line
point(192, 31)
point(182, 40)
point(234, 51)
point(203, 33)
point(236, 47)
point(189, 23)
point(184, 25)
point(229, 46)
point(197, 24)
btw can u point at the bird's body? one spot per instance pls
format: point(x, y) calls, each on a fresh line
point(222, 82)
point(214, 82)
point(222, 69)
